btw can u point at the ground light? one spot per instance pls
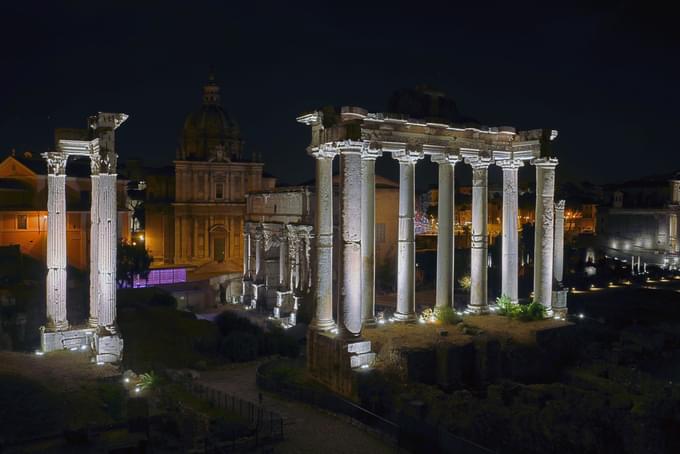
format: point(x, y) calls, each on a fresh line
point(581, 315)
point(39, 353)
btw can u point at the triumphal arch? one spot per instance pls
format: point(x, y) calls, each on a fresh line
point(358, 138)
point(100, 335)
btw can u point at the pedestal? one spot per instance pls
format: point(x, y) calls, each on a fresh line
point(334, 361)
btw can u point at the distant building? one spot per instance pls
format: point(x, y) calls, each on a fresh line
point(640, 219)
point(195, 213)
point(23, 208)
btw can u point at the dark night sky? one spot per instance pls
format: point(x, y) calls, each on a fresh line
point(604, 73)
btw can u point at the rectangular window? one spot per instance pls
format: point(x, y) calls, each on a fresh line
point(219, 191)
point(22, 222)
point(380, 233)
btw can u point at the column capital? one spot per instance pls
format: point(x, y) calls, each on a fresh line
point(95, 163)
point(371, 151)
point(546, 163)
point(56, 162)
point(324, 152)
point(408, 155)
point(479, 162)
point(510, 163)
point(446, 158)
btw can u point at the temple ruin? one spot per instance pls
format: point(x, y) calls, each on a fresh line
point(358, 138)
point(100, 335)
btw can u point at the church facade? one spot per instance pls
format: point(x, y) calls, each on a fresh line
point(203, 225)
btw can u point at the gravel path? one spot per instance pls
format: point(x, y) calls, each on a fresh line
point(307, 429)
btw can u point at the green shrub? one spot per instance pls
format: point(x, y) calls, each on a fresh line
point(523, 312)
point(446, 315)
point(532, 311)
point(506, 306)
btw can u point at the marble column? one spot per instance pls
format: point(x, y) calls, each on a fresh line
point(558, 265)
point(56, 241)
point(544, 231)
point(445, 237)
point(479, 270)
point(406, 258)
point(283, 258)
point(94, 241)
point(259, 255)
point(323, 227)
point(246, 255)
point(368, 158)
point(108, 241)
point(510, 236)
point(349, 311)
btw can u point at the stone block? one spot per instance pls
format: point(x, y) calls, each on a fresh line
point(63, 340)
point(361, 360)
point(359, 347)
point(109, 349)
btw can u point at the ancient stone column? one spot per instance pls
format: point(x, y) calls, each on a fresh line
point(283, 258)
point(544, 232)
point(479, 271)
point(259, 255)
point(107, 243)
point(246, 255)
point(349, 311)
point(445, 238)
point(323, 227)
point(93, 321)
point(558, 264)
point(406, 258)
point(56, 241)
point(368, 158)
point(510, 239)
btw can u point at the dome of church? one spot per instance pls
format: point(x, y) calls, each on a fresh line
point(210, 134)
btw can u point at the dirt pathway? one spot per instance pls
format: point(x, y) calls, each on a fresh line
point(306, 428)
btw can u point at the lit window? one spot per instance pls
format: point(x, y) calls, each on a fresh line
point(219, 191)
point(22, 222)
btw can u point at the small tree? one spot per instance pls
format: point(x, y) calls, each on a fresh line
point(133, 259)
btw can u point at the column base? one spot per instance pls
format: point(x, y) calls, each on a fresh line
point(108, 347)
point(322, 325)
point(369, 323)
point(559, 302)
point(405, 318)
point(70, 339)
point(478, 310)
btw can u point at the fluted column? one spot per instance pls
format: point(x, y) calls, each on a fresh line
point(56, 241)
point(368, 158)
point(323, 227)
point(246, 254)
point(94, 241)
point(509, 242)
point(107, 243)
point(259, 255)
point(283, 258)
point(544, 232)
point(349, 312)
point(558, 264)
point(445, 238)
point(479, 271)
point(406, 259)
